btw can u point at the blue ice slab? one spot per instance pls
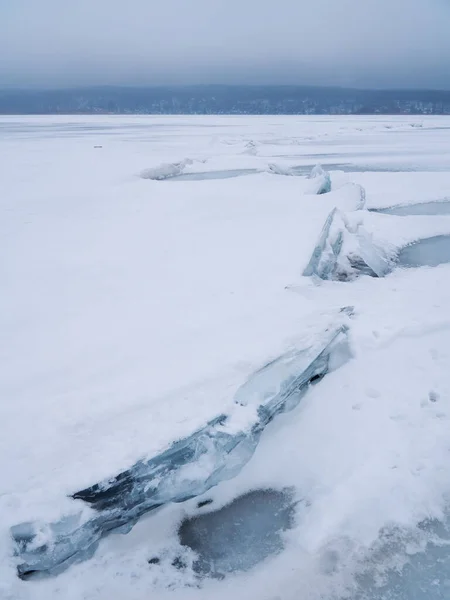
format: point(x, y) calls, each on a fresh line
point(118, 502)
point(325, 254)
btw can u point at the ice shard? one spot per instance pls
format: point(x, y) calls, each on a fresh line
point(375, 261)
point(324, 257)
point(344, 251)
point(320, 181)
point(190, 466)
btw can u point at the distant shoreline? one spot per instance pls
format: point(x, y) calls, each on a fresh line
point(223, 100)
point(168, 114)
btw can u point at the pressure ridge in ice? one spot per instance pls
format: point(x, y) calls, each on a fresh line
point(166, 170)
point(191, 466)
point(319, 180)
point(352, 244)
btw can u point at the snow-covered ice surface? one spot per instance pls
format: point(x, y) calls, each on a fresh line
point(146, 282)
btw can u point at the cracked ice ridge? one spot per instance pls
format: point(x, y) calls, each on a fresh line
point(220, 450)
point(320, 180)
point(166, 170)
point(345, 250)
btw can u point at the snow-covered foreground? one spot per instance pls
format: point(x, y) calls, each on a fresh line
point(150, 268)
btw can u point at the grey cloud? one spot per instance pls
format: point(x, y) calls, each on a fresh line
point(380, 43)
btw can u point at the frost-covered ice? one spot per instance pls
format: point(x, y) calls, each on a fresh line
point(136, 311)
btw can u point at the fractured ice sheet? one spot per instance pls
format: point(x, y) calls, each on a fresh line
point(191, 466)
point(241, 534)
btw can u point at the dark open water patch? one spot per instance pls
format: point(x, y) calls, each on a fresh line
point(212, 175)
point(298, 170)
point(371, 168)
point(438, 207)
point(409, 566)
point(428, 252)
point(240, 535)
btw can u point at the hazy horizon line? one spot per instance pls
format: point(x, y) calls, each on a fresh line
point(60, 88)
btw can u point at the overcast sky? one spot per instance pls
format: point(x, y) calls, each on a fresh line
point(361, 43)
